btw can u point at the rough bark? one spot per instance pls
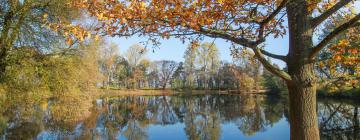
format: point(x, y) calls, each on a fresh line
point(303, 115)
point(302, 86)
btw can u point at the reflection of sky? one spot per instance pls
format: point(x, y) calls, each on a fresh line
point(165, 132)
point(260, 122)
point(279, 131)
point(55, 135)
point(229, 131)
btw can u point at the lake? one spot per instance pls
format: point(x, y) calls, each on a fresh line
point(179, 117)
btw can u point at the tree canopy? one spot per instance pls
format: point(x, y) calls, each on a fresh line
point(243, 22)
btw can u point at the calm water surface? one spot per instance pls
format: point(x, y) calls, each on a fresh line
point(195, 117)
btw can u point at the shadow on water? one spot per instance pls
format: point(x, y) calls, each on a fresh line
point(195, 117)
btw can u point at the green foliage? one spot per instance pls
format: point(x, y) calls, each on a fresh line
point(2, 124)
point(30, 71)
point(32, 78)
point(273, 83)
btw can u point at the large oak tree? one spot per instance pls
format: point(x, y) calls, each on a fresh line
point(247, 23)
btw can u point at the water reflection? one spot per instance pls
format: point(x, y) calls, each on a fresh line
point(339, 120)
point(197, 117)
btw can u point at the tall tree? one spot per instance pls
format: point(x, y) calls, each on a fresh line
point(166, 70)
point(109, 54)
point(134, 54)
point(179, 77)
point(123, 72)
point(208, 59)
point(153, 76)
point(89, 59)
point(142, 69)
point(189, 65)
point(246, 23)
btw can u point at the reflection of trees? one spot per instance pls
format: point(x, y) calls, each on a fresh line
point(274, 109)
point(165, 113)
point(201, 120)
point(130, 116)
point(202, 116)
point(24, 117)
point(338, 120)
point(23, 131)
point(127, 116)
point(251, 119)
point(134, 131)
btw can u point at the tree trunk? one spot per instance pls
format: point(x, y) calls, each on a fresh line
point(302, 86)
point(303, 115)
point(164, 86)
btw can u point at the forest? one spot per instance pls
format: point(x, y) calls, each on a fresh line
point(201, 69)
point(57, 54)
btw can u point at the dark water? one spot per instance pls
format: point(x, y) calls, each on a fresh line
point(197, 117)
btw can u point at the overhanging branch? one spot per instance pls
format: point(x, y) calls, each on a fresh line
point(316, 21)
point(269, 18)
point(241, 41)
point(276, 56)
point(333, 34)
point(220, 34)
point(260, 56)
point(274, 13)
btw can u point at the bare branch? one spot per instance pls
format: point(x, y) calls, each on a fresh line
point(317, 20)
point(276, 56)
point(241, 41)
point(333, 34)
point(282, 74)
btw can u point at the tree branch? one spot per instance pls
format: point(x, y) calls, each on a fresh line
point(282, 74)
point(241, 41)
point(259, 53)
point(274, 13)
point(317, 20)
point(333, 34)
point(270, 17)
point(276, 56)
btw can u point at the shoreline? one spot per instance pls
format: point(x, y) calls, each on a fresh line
point(101, 93)
point(158, 92)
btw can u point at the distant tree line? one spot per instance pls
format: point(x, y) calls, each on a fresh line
point(201, 69)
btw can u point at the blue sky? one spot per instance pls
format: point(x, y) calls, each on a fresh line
point(173, 49)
